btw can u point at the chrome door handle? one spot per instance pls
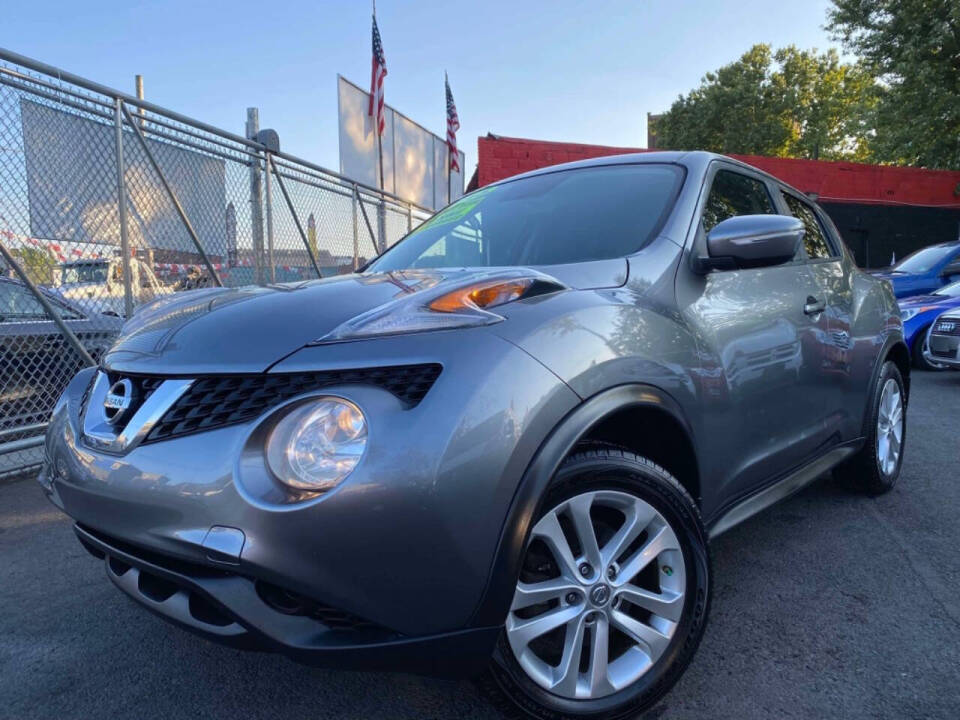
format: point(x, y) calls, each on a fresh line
point(814, 306)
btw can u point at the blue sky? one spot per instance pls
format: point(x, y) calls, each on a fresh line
point(576, 71)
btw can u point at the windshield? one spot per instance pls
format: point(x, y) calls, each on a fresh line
point(85, 273)
point(924, 260)
point(951, 290)
point(562, 217)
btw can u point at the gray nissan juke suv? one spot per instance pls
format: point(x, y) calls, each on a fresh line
point(503, 447)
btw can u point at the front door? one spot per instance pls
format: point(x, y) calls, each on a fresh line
point(757, 329)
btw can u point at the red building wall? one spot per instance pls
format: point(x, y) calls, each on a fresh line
point(500, 157)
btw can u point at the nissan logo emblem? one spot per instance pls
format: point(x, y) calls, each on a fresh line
point(599, 594)
point(118, 400)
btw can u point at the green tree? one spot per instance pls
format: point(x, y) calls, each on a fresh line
point(913, 46)
point(38, 264)
point(791, 103)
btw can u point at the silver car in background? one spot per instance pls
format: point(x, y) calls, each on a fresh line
point(943, 341)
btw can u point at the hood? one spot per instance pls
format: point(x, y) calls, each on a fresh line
point(915, 300)
point(246, 330)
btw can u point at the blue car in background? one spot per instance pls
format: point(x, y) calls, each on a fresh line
point(925, 270)
point(919, 312)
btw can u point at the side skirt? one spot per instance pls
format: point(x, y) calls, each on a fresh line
point(781, 489)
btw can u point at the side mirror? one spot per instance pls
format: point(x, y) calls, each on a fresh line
point(750, 241)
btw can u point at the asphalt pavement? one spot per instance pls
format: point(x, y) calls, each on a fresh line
point(830, 605)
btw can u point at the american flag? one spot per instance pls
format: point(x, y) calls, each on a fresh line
point(453, 124)
point(377, 74)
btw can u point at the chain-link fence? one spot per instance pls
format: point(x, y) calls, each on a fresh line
point(107, 202)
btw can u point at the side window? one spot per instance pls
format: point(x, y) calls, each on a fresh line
point(17, 303)
point(734, 194)
point(814, 239)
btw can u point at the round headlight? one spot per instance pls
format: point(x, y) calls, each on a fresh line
point(318, 444)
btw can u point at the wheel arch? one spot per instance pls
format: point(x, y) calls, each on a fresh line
point(894, 349)
point(900, 355)
point(589, 422)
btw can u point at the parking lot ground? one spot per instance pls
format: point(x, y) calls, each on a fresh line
point(830, 605)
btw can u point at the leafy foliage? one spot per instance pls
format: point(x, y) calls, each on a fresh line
point(39, 265)
point(791, 103)
point(913, 47)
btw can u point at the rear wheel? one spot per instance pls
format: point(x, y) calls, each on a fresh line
point(613, 593)
point(876, 467)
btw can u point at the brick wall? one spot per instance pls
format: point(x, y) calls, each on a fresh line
point(501, 157)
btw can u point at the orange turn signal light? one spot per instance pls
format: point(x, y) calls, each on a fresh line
point(481, 295)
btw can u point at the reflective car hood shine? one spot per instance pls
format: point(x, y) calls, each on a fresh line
point(916, 300)
point(246, 330)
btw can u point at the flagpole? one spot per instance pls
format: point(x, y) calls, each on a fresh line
point(380, 155)
point(381, 214)
point(446, 82)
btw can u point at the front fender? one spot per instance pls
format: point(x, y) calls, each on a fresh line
point(505, 569)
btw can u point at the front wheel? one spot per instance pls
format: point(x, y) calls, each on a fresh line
point(613, 594)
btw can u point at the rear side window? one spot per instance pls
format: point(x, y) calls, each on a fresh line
point(814, 239)
point(734, 194)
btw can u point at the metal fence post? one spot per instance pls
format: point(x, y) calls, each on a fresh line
point(271, 261)
point(382, 224)
point(409, 218)
point(356, 237)
point(122, 211)
point(256, 207)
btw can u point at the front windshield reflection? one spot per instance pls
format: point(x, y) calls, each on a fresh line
point(556, 218)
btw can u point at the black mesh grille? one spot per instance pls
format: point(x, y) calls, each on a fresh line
point(215, 402)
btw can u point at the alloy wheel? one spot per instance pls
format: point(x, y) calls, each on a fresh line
point(889, 427)
point(600, 595)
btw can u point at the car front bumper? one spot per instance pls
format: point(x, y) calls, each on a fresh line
point(387, 570)
point(229, 608)
point(944, 349)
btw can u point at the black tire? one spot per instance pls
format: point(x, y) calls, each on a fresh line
point(863, 471)
point(919, 361)
point(506, 684)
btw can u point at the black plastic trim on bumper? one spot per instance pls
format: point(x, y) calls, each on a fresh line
point(226, 608)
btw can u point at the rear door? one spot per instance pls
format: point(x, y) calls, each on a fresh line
point(756, 332)
point(832, 331)
point(834, 271)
